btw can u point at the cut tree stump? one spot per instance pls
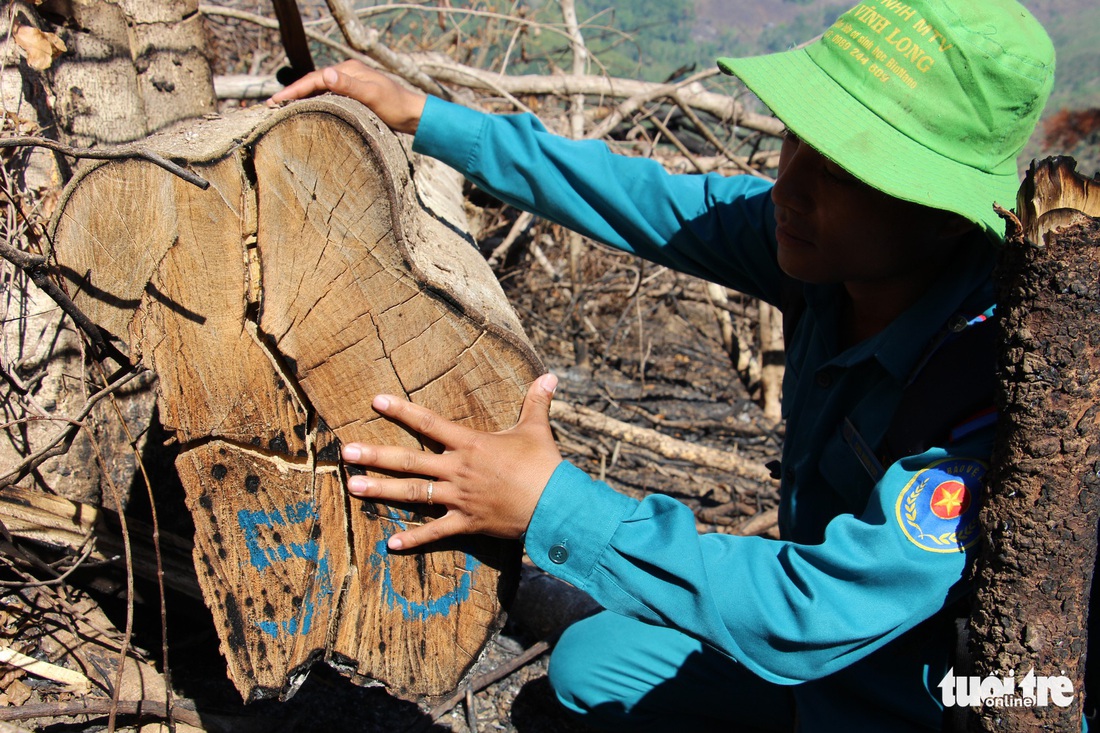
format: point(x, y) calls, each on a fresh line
point(1040, 515)
point(310, 276)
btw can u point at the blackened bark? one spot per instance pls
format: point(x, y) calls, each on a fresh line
point(1040, 515)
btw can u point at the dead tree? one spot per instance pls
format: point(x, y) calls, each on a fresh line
point(83, 74)
point(1040, 516)
point(273, 306)
point(112, 72)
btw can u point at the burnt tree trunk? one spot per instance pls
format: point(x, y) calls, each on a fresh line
point(1040, 517)
point(273, 306)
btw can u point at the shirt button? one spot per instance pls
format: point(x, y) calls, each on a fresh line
point(823, 379)
point(558, 554)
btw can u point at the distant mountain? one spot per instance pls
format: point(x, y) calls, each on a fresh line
point(1074, 26)
point(761, 26)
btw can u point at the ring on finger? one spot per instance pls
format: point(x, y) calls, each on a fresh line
point(431, 488)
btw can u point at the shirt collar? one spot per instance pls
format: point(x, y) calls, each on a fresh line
point(964, 286)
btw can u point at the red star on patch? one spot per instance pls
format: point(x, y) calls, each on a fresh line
point(950, 499)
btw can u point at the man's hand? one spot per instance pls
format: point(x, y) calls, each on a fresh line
point(398, 107)
point(489, 482)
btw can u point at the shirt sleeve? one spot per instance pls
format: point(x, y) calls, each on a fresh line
point(789, 612)
point(716, 227)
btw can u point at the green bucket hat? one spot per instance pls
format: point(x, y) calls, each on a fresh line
point(926, 100)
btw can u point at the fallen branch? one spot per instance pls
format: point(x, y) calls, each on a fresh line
point(35, 515)
point(671, 136)
point(73, 679)
point(633, 104)
point(722, 106)
point(713, 140)
point(728, 514)
point(746, 430)
point(443, 69)
point(246, 86)
point(522, 224)
point(102, 706)
point(52, 520)
point(761, 523)
point(118, 153)
point(659, 443)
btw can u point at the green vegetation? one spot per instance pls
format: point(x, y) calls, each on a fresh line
point(657, 41)
point(631, 38)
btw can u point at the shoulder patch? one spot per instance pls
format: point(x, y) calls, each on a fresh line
point(938, 509)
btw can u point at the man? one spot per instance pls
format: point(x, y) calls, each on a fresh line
point(905, 121)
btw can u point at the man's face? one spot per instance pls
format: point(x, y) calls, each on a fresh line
point(832, 228)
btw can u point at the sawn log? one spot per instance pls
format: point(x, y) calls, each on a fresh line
point(310, 276)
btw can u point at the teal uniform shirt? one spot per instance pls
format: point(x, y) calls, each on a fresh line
point(852, 605)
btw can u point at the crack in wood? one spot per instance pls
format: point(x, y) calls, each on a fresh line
point(268, 344)
point(283, 462)
point(387, 355)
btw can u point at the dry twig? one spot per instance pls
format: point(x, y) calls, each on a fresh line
point(119, 153)
point(480, 683)
point(61, 441)
point(104, 706)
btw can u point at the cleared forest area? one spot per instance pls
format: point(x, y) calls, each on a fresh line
point(667, 383)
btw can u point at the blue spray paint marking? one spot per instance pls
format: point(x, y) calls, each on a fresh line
point(251, 521)
point(410, 609)
point(293, 627)
point(264, 557)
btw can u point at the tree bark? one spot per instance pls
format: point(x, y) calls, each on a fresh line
point(133, 67)
point(1040, 516)
point(122, 69)
point(310, 276)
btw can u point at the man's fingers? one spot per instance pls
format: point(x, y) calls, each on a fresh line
point(397, 107)
point(412, 491)
point(349, 86)
point(395, 459)
point(339, 79)
point(536, 404)
point(448, 525)
point(421, 420)
point(309, 85)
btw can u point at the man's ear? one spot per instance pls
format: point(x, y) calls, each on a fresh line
point(955, 225)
